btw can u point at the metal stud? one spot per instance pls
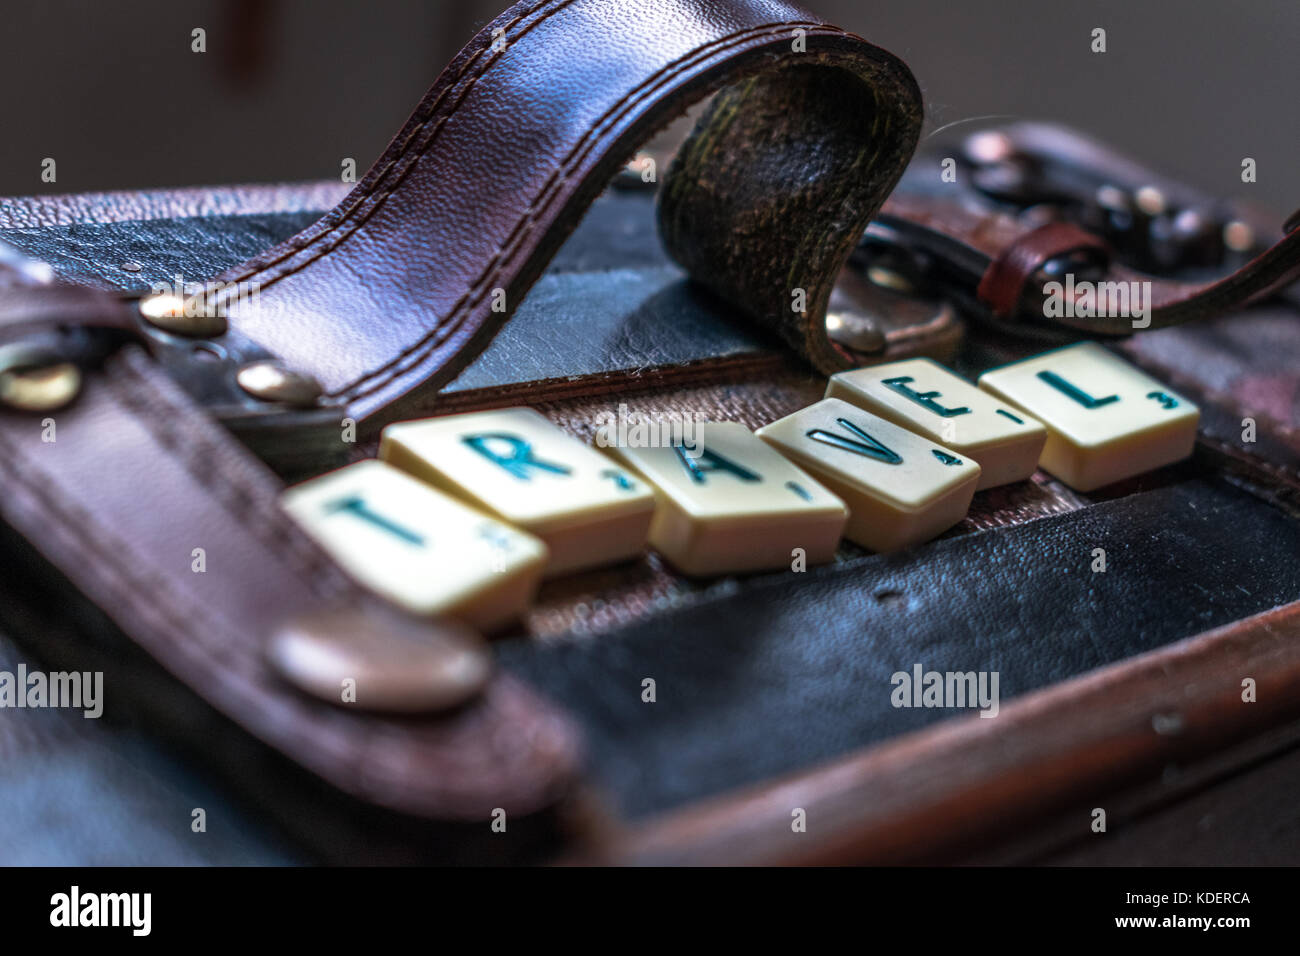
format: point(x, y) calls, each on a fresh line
point(1238, 236)
point(271, 382)
point(36, 381)
point(854, 332)
point(182, 316)
point(1150, 200)
point(990, 146)
point(889, 278)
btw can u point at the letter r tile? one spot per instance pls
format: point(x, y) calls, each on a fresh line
point(519, 466)
point(418, 547)
point(1106, 420)
point(732, 504)
point(930, 400)
point(901, 488)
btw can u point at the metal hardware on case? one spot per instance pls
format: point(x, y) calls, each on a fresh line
point(887, 285)
point(294, 440)
point(1153, 229)
point(854, 332)
point(35, 380)
point(180, 316)
point(272, 382)
point(940, 283)
point(887, 278)
point(410, 665)
point(1239, 237)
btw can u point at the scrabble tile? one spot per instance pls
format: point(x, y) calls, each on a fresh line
point(731, 504)
point(926, 398)
point(1105, 419)
point(420, 548)
point(901, 487)
point(515, 464)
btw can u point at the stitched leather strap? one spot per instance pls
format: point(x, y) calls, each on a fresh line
point(135, 479)
point(402, 284)
point(1008, 275)
point(1003, 254)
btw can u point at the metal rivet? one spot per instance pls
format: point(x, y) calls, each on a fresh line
point(888, 278)
point(1167, 725)
point(271, 382)
point(854, 332)
point(990, 146)
point(399, 664)
point(1112, 198)
point(1039, 214)
point(1189, 224)
point(33, 381)
point(1238, 236)
point(180, 316)
point(131, 266)
point(1009, 180)
point(1150, 200)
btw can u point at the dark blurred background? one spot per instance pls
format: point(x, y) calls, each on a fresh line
point(288, 88)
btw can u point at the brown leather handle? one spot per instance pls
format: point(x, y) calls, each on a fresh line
point(402, 284)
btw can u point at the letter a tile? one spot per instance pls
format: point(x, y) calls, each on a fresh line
point(728, 503)
point(901, 487)
point(418, 547)
point(1105, 419)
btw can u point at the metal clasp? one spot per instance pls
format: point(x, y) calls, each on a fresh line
point(1043, 173)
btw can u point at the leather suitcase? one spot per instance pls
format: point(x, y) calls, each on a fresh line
point(773, 734)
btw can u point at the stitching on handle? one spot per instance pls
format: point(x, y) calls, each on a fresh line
point(260, 268)
point(450, 322)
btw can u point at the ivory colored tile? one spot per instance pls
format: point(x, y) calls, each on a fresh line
point(901, 487)
point(515, 464)
point(1106, 420)
point(926, 398)
point(418, 547)
point(732, 504)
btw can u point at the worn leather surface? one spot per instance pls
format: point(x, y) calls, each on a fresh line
point(68, 209)
point(1244, 371)
point(795, 669)
point(80, 792)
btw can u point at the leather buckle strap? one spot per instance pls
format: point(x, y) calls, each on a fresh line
point(989, 237)
point(1008, 275)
